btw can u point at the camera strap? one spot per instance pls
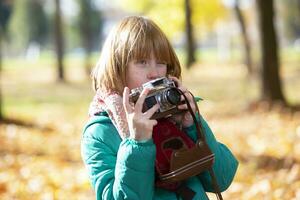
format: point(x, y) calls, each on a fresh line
point(201, 136)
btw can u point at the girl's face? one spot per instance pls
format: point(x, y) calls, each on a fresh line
point(142, 71)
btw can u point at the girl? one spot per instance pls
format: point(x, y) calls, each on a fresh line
point(117, 146)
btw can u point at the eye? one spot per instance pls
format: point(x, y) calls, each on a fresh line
point(161, 64)
point(141, 62)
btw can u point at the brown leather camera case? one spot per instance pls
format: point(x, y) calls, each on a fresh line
point(186, 163)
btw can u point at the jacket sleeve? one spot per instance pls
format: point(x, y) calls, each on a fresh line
point(124, 173)
point(225, 164)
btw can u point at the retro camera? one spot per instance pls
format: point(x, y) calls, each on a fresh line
point(164, 92)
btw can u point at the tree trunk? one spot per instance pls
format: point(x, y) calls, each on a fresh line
point(190, 45)
point(1, 110)
point(248, 60)
point(59, 41)
point(5, 11)
point(271, 83)
point(86, 32)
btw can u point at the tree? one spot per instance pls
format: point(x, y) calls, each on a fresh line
point(5, 11)
point(291, 17)
point(89, 26)
point(271, 83)
point(190, 44)
point(247, 50)
point(59, 41)
point(29, 23)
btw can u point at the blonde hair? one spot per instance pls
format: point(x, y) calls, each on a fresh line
point(133, 39)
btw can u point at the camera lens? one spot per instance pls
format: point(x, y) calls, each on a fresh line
point(173, 96)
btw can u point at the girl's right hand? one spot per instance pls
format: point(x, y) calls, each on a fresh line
point(140, 125)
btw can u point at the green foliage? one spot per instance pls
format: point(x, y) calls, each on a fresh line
point(29, 23)
point(170, 18)
point(138, 6)
point(206, 13)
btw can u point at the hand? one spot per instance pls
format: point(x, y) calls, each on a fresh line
point(185, 118)
point(140, 125)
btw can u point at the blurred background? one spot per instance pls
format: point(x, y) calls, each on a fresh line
point(241, 56)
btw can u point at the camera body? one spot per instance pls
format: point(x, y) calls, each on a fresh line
point(164, 92)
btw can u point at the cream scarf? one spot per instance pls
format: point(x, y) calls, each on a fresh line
point(112, 103)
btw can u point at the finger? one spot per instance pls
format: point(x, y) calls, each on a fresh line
point(151, 111)
point(153, 122)
point(141, 100)
point(182, 89)
point(126, 104)
point(187, 94)
point(185, 107)
point(189, 99)
point(177, 117)
point(182, 98)
point(178, 82)
point(188, 116)
point(182, 107)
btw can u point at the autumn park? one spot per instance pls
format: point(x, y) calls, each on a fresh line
point(242, 57)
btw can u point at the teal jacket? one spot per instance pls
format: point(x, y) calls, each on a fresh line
point(124, 169)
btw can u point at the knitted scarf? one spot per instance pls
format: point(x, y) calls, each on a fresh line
point(112, 103)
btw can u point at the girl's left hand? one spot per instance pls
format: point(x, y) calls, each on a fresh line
point(185, 118)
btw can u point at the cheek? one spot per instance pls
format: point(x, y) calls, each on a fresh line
point(135, 80)
point(163, 71)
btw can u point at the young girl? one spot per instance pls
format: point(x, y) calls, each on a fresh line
point(117, 146)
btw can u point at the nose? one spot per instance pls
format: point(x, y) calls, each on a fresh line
point(153, 72)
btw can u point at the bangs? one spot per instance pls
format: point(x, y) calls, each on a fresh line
point(150, 39)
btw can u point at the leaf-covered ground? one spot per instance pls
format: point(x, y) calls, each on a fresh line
point(40, 150)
